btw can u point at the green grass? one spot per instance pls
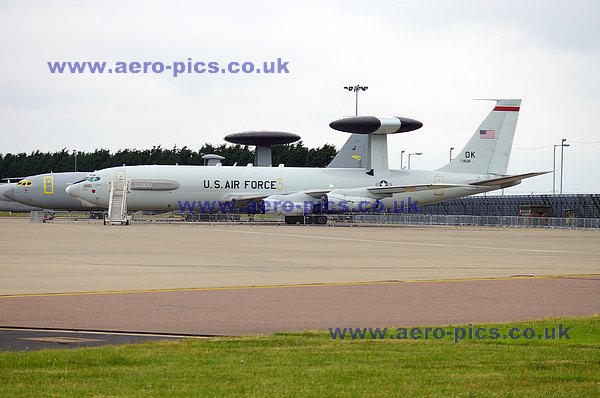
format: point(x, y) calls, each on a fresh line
point(13, 214)
point(312, 364)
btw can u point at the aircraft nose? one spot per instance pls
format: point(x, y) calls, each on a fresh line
point(9, 192)
point(73, 190)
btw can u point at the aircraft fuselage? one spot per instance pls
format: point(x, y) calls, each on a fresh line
point(167, 187)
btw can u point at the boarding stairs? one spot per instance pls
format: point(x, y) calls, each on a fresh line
point(117, 205)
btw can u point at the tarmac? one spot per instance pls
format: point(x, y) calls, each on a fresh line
point(27, 339)
point(232, 279)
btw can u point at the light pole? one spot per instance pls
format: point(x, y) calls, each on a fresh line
point(554, 169)
point(356, 89)
point(401, 162)
point(451, 149)
point(75, 153)
point(414, 153)
point(562, 152)
point(554, 166)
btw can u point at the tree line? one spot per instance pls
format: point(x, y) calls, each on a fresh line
point(22, 164)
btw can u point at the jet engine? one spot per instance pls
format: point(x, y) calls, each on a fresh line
point(337, 202)
point(286, 207)
point(289, 205)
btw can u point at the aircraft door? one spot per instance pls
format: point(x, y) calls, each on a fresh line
point(120, 180)
point(48, 185)
point(438, 180)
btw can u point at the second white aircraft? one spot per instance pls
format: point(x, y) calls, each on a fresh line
point(296, 192)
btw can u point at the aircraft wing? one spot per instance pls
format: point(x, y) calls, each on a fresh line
point(508, 180)
point(317, 193)
point(242, 199)
point(392, 189)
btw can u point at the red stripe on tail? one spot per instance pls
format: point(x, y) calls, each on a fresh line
point(507, 108)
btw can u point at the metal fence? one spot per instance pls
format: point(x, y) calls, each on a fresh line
point(580, 205)
point(350, 219)
point(465, 220)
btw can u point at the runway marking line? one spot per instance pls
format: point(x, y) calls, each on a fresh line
point(282, 286)
point(60, 339)
point(103, 332)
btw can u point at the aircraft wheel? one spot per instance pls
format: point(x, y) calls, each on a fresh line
point(320, 220)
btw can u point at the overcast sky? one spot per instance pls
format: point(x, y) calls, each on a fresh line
point(426, 60)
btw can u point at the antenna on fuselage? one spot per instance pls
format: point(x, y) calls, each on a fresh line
point(262, 140)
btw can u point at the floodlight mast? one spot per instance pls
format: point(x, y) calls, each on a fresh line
point(356, 89)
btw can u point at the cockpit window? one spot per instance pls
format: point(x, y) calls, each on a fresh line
point(92, 179)
point(24, 183)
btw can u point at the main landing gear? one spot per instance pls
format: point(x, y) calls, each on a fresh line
point(316, 219)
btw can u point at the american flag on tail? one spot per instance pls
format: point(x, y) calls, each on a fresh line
point(487, 134)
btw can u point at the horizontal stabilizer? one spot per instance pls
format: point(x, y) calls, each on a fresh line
point(508, 179)
point(411, 188)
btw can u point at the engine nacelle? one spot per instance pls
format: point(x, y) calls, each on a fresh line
point(289, 205)
point(286, 207)
point(335, 202)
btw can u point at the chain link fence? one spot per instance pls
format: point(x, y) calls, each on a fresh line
point(466, 220)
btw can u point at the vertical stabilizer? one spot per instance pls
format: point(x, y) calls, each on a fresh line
point(353, 154)
point(488, 150)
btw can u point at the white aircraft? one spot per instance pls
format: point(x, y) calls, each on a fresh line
point(47, 191)
point(7, 204)
point(309, 194)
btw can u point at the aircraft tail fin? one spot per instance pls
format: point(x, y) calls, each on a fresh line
point(488, 150)
point(353, 154)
